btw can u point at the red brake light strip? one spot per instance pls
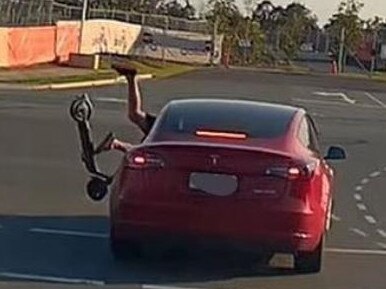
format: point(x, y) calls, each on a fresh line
point(230, 135)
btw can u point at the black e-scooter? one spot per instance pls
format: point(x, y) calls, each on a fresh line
point(81, 111)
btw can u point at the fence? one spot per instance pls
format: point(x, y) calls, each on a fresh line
point(24, 46)
point(48, 12)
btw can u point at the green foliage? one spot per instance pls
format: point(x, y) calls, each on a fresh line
point(250, 31)
point(291, 23)
point(176, 8)
point(347, 18)
point(297, 21)
point(225, 16)
point(374, 24)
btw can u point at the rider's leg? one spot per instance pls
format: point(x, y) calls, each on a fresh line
point(135, 110)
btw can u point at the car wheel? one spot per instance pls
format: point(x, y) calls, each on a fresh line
point(264, 259)
point(123, 250)
point(309, 262)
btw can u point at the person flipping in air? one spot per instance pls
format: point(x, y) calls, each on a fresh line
point(142, 119)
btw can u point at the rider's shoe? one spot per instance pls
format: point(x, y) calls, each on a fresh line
point(124, 69)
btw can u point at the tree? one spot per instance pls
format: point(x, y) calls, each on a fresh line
point(296, 21)
point(226, 17)
point(346, 22)
point(284, 28)
point(222, 18)
point(263, 14)
point(248, 32)
point(189, 10)
point(176, 9)
point(223, 14)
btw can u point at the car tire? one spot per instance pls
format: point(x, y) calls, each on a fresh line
point(123, 250)
point(310, 262)
point(265, 258)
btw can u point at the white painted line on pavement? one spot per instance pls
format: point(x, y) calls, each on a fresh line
point(51, 279)
point(163, 287)
point(364, 181)
point(370, 219)
point(111, 99)
point(356, 251)
point(316, 114)
point(357, 197)
point(382, 233)
point(336, 94)
point(69, 233)
point(362, 207)
point(359, 232)
point(382, 245)
point(322, 102)
point(375, 174)
point(375, 99)
point(334, 103)
point(358, 188)
point(336, 218)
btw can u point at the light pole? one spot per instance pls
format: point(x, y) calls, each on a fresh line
point(84, 18)
point(374, 51)
point(342, 59)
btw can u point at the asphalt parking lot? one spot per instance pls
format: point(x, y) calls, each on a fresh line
point(52, 236)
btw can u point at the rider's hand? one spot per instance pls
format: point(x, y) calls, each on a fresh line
point(107, 144)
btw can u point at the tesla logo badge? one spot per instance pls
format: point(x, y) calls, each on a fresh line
point(214, 159)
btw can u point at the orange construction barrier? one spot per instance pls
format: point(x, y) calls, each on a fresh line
point(67, 39)
point(31, 45)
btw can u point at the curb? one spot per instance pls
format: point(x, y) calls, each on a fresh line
point(70, 85)
point(84, 84)
point(273, 70)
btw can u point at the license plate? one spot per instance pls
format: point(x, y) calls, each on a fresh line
point(213, 184)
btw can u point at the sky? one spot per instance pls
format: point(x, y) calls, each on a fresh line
point(324, 8)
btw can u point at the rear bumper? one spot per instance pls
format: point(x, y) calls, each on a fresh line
point(273, 242)
point(268, 231)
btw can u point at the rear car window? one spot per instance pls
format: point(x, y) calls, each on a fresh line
point(256, 121)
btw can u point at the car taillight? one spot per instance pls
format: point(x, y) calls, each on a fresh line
point(143, 160)
point(298, 175)
point(292, 172)
point(285, 172)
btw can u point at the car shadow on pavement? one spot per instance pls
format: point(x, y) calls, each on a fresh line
point(77, 248)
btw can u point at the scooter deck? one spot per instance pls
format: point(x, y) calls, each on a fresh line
point(81, 111)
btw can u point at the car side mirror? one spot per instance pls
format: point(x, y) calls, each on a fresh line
point(335, 153)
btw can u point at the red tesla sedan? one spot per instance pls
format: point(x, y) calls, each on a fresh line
point(239, 172)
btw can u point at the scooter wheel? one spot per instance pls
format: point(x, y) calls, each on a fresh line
point(97, 189)
point(81, 109)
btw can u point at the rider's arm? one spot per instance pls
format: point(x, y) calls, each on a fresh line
point(135, 110)
point(120, 146)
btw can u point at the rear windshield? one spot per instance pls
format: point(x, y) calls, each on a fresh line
point(254, 121)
